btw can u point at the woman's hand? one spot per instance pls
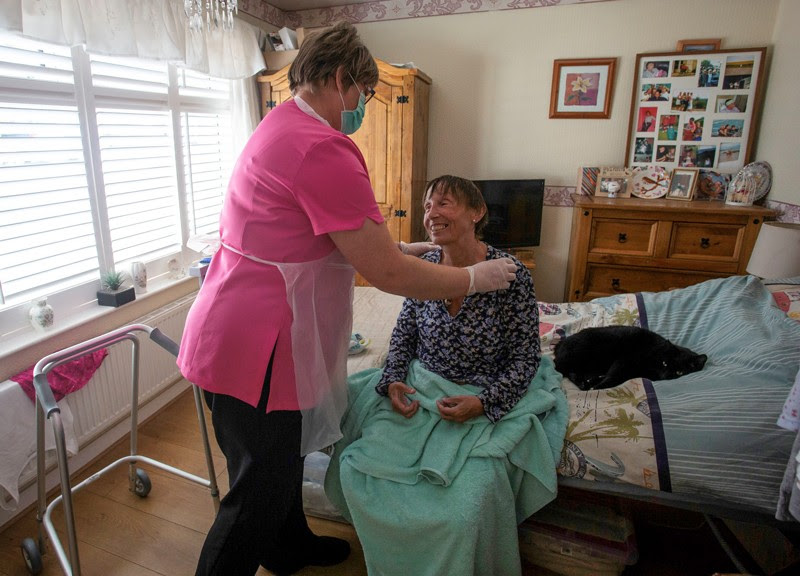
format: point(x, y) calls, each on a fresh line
point(416, 248)
point(400, 402)
point(459, 408)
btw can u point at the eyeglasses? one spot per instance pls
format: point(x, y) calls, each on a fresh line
point(370, 92)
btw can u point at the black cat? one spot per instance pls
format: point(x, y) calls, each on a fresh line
point(608, 356)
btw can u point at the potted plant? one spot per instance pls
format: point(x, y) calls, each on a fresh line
point(111, 291)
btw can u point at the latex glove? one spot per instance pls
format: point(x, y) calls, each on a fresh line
point(401, 403)
point(491, 275)
point(416, 248)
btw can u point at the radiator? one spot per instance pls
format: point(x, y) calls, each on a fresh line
point(106, 399)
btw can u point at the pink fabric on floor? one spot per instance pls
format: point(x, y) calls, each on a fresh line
point(66, 378)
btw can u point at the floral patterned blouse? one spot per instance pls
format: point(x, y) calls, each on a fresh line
point(492, 342)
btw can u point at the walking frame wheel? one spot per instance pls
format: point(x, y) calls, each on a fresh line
point(31, 555)
point(141, 484)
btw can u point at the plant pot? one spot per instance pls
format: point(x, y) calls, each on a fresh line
point(116, 298)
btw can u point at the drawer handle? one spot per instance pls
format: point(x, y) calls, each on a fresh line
point(623, 237)
point(615, 284)
point(705, 243)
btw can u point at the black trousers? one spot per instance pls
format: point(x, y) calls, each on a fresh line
point(261, 519)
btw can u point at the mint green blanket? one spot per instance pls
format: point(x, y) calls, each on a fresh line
point(428, 496)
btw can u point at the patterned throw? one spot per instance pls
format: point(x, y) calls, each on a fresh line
point(66, 378)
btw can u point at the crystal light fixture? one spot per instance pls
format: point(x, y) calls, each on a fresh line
point(212, 14)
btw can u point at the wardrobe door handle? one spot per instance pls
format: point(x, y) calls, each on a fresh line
point(622, 238)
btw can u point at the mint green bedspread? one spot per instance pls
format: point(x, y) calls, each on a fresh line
point(428, 496)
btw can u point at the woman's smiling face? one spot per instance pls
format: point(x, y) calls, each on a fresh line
point(446, 220)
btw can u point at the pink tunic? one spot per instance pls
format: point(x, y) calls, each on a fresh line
point(296, 180)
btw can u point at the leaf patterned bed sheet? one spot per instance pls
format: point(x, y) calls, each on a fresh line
point(610, 433)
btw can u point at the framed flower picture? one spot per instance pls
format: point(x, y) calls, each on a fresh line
point(582, 88)
point(695, 109)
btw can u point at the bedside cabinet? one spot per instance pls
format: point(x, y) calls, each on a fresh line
point(621, 245)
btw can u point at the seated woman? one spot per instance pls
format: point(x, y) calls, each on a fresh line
point(461, 441)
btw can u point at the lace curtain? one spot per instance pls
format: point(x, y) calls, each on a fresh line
point(154, 29)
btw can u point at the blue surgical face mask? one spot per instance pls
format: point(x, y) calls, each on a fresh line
point(351, 119)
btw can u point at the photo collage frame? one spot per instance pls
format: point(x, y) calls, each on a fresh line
point(695, 109)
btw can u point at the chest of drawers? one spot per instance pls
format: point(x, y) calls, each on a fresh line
point(633, 245)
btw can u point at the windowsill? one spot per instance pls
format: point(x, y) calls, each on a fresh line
point(22, 350)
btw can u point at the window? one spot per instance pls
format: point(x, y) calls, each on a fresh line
point(103, 161)
point(207, 137)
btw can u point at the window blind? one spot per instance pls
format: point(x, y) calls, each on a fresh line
point(207, 138)
point(46, 234)
point(135, 140)
point(103, 161)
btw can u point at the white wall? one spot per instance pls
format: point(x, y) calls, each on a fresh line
point(492, 73)
point(780, 124)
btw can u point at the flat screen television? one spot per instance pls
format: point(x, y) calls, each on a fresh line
point(515, 212)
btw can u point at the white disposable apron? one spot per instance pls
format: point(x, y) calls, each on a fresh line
point(320, 296)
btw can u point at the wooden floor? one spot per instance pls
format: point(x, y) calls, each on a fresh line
point(121, 534)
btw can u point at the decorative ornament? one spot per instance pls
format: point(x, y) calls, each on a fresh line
point(742, 189)
point(41, 314)
point(212, 14)
point(139, 276)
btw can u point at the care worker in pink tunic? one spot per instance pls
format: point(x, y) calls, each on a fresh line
point(267, 336)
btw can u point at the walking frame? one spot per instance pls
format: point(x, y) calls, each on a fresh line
point(139, 482)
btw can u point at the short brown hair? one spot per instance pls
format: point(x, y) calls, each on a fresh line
point(323, 53)
point(465, 192)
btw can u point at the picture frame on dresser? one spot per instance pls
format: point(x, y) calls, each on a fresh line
point(682, 183)
point(703, 104)
point(582, 88)
point(613, 183)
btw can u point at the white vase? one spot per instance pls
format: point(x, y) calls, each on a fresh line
point(41, 314)
point(139, 275)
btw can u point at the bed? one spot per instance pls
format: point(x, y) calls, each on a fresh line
point(707, 441)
